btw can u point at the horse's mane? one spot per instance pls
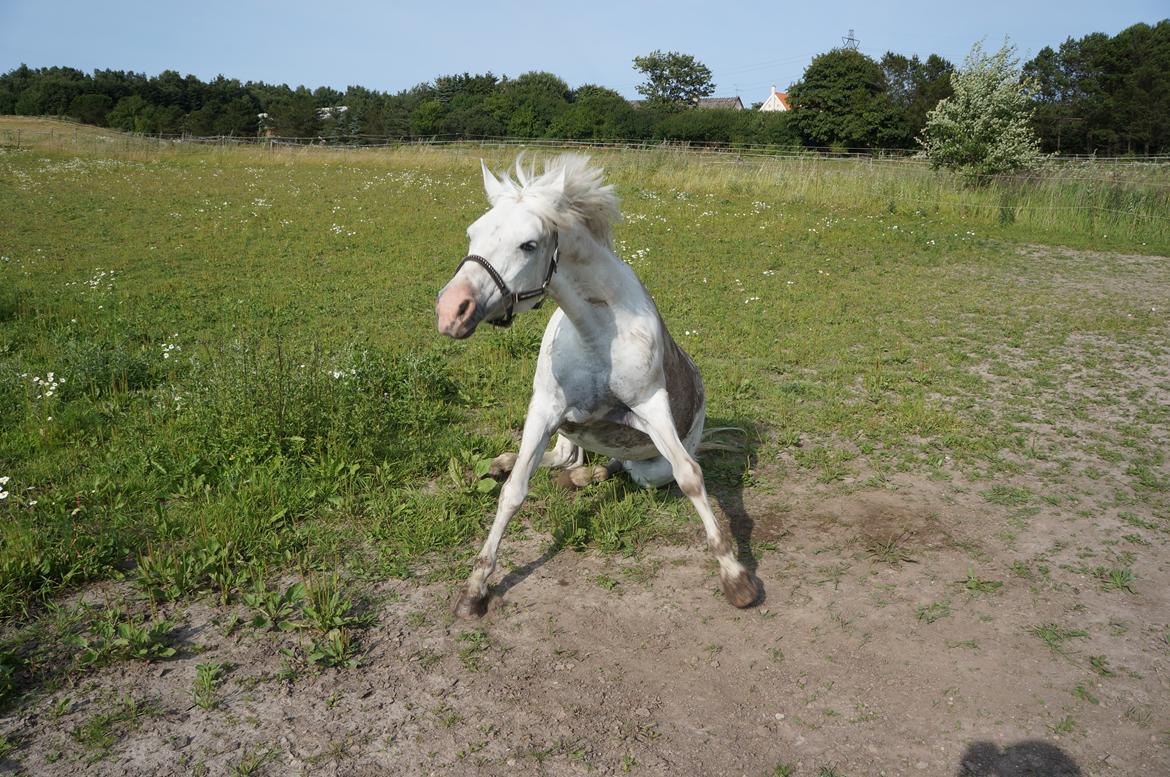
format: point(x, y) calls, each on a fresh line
point(583, 199)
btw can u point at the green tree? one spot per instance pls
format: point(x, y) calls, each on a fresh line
point(1101, 94)
point(984, 128)
point(127, 113)
point(596, 113)
point(528, 105)
point(447, 88)
point(673, 79)
point(239, 117)
point(201, 122)
point(13, 85)
point(916, 87)
point(468, 117)
point(295, 115)
point(90, 108)
point(428, 118)
point(843, 100)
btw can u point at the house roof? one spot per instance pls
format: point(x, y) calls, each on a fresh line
point(721, 102)
point(733, 103)
point(777, 101)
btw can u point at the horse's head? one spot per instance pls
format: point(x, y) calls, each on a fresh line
point(511, 258)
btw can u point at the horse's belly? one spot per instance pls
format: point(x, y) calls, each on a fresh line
point(610, 438)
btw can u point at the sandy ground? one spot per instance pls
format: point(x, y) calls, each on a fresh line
point(834, 669)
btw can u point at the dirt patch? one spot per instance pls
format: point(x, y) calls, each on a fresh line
point(1096, 274)
point(856, 661)
point(875, 519)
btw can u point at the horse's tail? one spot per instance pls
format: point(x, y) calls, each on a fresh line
point(707, 443)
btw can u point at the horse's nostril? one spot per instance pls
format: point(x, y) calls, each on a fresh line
point(463, 307)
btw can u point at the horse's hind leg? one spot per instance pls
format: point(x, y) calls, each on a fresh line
point(651, 473)
point(565, 453)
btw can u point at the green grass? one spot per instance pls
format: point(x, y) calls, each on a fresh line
point(208, 677)
point(102, 730)
point(935, 611)
point(219, 373)
point(1055, 636)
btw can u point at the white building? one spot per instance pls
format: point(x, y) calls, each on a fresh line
point(777, 101)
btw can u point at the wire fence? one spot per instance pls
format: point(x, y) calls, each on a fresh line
point(362, 141)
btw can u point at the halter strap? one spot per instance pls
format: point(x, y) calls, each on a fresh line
point(514, 298)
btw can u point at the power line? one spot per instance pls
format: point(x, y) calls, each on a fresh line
point(765, 65)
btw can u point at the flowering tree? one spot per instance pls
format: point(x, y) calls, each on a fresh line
point(984, 128)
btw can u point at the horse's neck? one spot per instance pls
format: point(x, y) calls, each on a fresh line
point(595, 288)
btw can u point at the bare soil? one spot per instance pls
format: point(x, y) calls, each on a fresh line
point(835, 668)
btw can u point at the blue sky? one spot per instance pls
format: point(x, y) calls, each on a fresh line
point(392, 46)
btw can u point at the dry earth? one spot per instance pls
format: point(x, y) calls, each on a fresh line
point(934, 626)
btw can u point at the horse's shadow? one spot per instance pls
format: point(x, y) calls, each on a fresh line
point(725, 464)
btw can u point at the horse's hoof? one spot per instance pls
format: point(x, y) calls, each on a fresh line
point(469, 606)
point(566, 482)
point(502, 466)
point(579, 477)
point(742, 590)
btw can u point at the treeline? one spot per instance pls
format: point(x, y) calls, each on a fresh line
point(1099, 94)
point(533, 105)
point(1109, 95)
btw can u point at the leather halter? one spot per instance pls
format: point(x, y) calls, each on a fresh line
point(514, 298)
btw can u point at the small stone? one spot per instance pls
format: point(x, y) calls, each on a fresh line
point(779, 716)
point(642, 712)
point(920, 765)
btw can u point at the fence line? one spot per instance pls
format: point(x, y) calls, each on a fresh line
point(718, 154)
point(359, 141)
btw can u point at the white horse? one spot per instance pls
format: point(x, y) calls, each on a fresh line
point(609, 378)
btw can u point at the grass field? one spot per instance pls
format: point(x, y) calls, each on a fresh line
point(221, 387)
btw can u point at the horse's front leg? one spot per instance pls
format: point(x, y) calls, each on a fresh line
point(542, 420)
point(653, 417)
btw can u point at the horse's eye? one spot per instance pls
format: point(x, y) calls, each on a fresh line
point(529, 246)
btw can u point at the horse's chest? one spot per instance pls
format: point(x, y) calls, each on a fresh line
point(599, 385)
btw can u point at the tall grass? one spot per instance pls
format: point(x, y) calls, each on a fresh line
point(1080, 200)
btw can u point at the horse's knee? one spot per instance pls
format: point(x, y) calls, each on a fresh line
point(689, 477)
point(512, 495)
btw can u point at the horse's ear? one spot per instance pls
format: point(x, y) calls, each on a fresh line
point(491, 185)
